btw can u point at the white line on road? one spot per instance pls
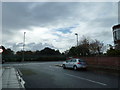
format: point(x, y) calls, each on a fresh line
point(86, 79)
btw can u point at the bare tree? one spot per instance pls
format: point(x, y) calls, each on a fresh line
point(95, 47)
point(87, 46)
point(84, 46)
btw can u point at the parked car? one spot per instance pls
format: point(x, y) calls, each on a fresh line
point(75, 63)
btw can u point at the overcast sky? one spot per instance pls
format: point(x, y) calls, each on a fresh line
point(54, 24)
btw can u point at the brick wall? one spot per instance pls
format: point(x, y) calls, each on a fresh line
point(104, 61)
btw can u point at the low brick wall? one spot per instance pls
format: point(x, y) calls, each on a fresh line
point(103, 61)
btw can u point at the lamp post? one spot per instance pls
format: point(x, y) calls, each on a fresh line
point(23, 46)
point(77, 38)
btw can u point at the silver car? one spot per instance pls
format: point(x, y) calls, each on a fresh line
point(74, 63)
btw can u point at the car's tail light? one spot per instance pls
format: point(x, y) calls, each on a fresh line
point(78, 63)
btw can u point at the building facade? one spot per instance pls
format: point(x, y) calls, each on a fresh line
point(116, 36)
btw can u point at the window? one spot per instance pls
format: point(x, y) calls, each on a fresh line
point(115, 35)
point(80, 60)
point(68, 60)
point(118, 33)
point(73, 60)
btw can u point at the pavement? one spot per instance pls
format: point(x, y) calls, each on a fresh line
point(10, 78)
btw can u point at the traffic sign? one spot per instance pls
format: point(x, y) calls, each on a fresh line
point(1, 50)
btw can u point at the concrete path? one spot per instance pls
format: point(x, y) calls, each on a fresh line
point(10, 78)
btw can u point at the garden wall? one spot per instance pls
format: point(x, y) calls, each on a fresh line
point(103, 61)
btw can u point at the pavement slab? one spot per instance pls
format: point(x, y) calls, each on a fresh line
point(9, 78)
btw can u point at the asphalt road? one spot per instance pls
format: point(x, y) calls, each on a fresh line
point(47, 75)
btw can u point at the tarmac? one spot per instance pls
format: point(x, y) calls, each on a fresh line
point(10, 78)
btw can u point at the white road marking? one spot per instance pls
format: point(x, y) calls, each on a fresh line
point(81, 78)
point(86, 79)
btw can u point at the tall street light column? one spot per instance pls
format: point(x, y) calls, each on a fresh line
point(77, 38)
point(24, 46)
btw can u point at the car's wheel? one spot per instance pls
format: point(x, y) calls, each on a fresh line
point(64, 67)
point(75, 67)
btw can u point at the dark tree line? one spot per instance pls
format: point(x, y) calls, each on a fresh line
point(86, 47)
point(113, 52)
point(47, 54)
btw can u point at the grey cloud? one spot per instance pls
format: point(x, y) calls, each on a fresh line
point(102, 23)
point(104, 36)
point(23, 15)
point(30, 46)
point(15, 16)
point(38, 46)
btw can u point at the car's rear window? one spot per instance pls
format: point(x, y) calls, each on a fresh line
point(80, 60)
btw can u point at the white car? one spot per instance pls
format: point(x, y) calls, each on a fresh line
point(74, 63)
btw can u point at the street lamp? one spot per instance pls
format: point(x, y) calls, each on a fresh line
point(77, 38)
point(23, 46)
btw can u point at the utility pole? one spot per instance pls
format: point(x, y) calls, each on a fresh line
point(24, 47)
